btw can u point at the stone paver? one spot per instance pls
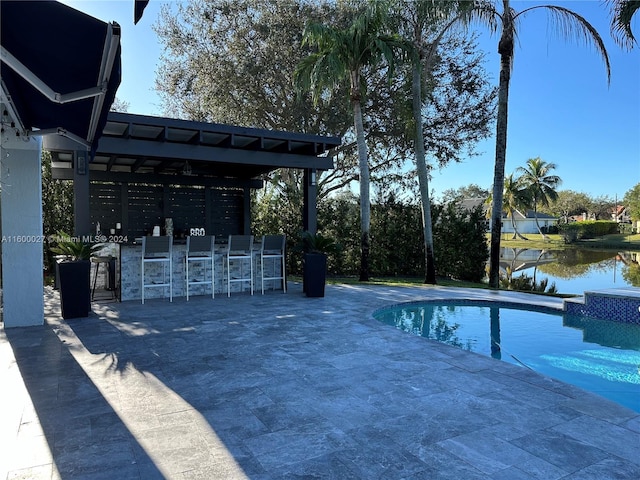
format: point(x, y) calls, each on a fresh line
point(283, 386)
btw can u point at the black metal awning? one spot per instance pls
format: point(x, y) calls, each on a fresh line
point(60, 69)
point(140, 144)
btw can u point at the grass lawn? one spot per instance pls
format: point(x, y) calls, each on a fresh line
point(555, 242)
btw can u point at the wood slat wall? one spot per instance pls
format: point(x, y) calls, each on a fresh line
point(217, 209)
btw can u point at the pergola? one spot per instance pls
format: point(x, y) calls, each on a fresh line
point(59, 72)
point(199, 174)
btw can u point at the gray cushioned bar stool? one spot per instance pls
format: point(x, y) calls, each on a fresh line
point(200, 251)
point(273, 249)
point(240, 251)
point(157, 251)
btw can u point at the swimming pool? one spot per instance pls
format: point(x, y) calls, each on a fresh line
point(597, 355)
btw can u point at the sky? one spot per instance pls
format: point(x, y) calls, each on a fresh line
point(561, 108)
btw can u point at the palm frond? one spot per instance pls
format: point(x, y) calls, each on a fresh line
point(572, 26)
point(485, 13)
point(343, 53)
point(622, 13)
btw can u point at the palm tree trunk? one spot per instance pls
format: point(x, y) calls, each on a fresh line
point(365, 202)
point(423, 176)
point(516, 233)
point(535, 213)
point(505, 48)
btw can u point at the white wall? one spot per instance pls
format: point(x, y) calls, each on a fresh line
point(525, 225)
point(21, 203)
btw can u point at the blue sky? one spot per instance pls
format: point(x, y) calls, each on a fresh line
point(560, 107)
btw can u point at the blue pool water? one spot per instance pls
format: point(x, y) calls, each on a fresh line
point(597, 355)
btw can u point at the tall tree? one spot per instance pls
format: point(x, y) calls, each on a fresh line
point(516, 197)
point(421, 18)
point(569, 24)
point(232, 61)
point(569, 203)
point(255, 46)
point(601, 207)
point(540, 184)
point(344, 54)
point(119, 105)
point(473, 190)
point(632, 202)
point(622, 12)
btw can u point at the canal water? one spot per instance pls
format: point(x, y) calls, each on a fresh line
point(576, 270)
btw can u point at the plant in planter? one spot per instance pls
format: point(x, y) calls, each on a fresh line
point(74, 271)
point(316, 248)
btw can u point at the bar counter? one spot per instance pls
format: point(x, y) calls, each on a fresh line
point(129, 260)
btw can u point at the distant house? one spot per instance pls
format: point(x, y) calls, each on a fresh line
point(525, 222)
point(619, 214)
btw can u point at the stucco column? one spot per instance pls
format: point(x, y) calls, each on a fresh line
point(21, 203)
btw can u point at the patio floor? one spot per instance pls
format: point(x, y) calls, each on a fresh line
point(284, 386)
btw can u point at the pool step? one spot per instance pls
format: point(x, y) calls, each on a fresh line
point(617, 304)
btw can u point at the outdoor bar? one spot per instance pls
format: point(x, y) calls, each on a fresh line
point(154, 176)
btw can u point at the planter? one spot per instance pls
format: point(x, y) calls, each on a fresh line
point(315, 273)
point(75, 291)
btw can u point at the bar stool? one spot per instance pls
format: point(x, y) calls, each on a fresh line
point(159, 251)
point(110, 285)
point(240, 249)
point(200, 251)
point(272, 248)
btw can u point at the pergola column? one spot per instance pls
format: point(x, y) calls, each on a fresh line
point(22, 255)
point(309, 206)
point(81, 215)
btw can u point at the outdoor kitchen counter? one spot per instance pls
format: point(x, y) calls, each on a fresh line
point(130, 255)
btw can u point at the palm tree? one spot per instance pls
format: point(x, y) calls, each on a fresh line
point(419, 16)
point(515, 197)
point(540, 184)
point(622, 11)
point(344, 54)
point(570, 24)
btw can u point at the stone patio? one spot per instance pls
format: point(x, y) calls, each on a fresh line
point(284, 386)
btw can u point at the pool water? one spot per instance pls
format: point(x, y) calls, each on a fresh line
point(597, 355)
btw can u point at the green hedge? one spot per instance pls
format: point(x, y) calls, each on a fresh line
point(397, 242)
point(587, 229)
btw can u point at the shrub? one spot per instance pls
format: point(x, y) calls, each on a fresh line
point(397, 243)
point(525, 283)
point(569, 232)
point(588, 229)
point(460, 244)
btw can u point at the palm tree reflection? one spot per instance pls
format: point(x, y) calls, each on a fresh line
point(495, 333)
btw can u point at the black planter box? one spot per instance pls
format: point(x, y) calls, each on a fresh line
point(315, 273)
point(75, 293)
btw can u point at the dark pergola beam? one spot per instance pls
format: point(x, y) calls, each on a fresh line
point(217, 128)
point(139, 162)
point(111, 162)
point(158, 179)
point(181, 151)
